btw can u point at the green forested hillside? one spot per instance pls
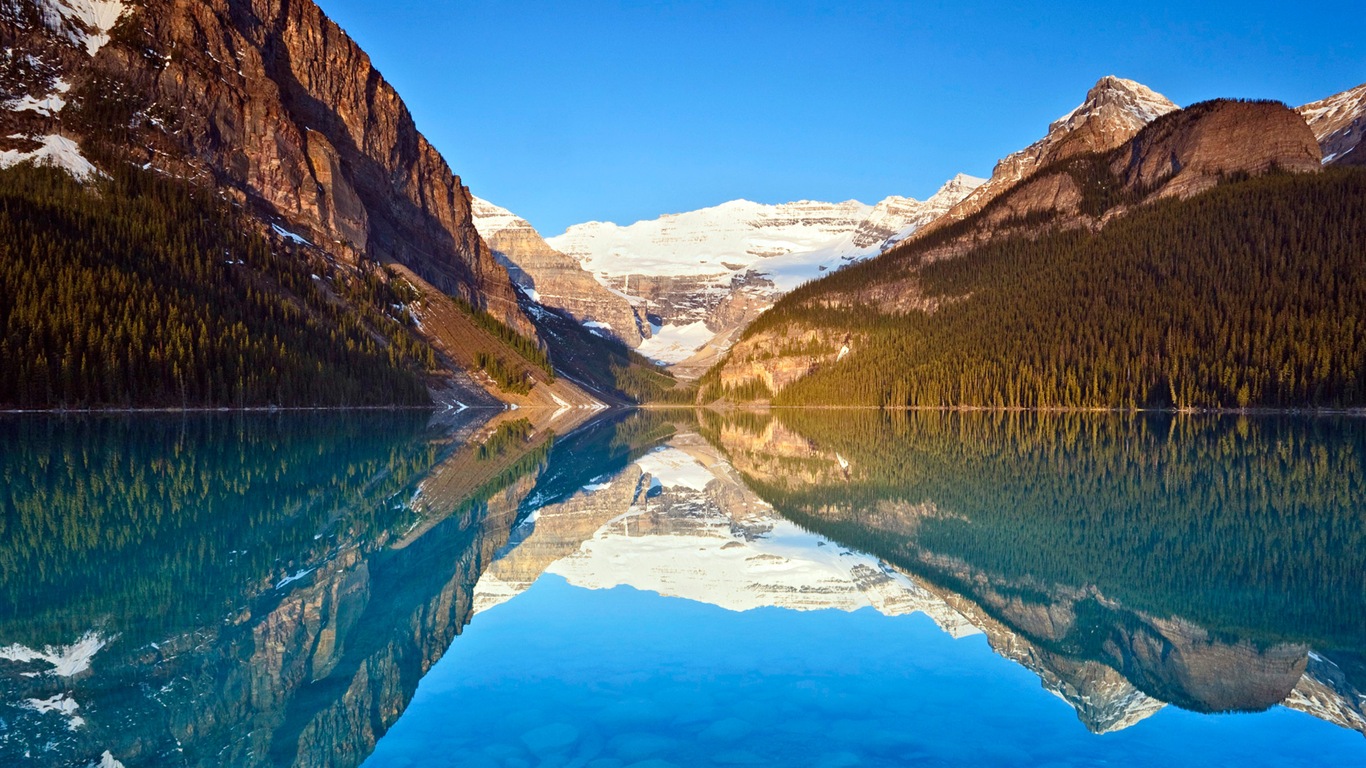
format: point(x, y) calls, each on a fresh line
point(142, 291)
point(1252, 294)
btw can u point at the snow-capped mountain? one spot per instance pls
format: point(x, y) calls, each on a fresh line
point(711, 241)
point(1338, 123)
point(679, 522)
point(694, 279)
point(741, 236)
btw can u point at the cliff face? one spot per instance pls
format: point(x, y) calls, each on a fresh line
point(1188, 151)
point(1338, 123)
point(1114, 111)
point(270, 101)
point(554, 279)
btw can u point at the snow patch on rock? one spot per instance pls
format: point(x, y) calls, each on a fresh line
point(56, 151)
point(66, 661)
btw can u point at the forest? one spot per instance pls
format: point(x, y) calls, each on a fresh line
point(1252, 294)
point(142, 291)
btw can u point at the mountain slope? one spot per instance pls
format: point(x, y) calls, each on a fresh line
point(268, 104)
point(1164, 273)
point(552, 278)
point(1338, 123)
point(270, 100)
point(1114, 111)
point(692, 281)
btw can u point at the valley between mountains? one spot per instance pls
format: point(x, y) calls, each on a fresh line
point(224, 204)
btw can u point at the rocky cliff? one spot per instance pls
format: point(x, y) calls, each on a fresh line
point(554, 279)
point(1114, 111)
point(1189, 151)
point(270, 101)
point(1339, 122)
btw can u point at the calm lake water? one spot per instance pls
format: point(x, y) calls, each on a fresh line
point(690, 589)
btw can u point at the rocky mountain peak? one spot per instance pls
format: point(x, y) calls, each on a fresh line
point(1115, 109)
point(955, 189)
point(1338, 123)
point(553, 279)
point(1116, 99)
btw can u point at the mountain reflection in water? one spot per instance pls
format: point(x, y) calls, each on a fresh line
point(274, 590)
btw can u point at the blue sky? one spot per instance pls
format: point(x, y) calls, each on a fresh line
point(618, 111)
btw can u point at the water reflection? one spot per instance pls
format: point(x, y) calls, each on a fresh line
point(1128, 563)
point(687, 588)
point(262, 590)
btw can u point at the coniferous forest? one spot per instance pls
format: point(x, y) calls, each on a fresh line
point(138, 290)
point(1250, 295)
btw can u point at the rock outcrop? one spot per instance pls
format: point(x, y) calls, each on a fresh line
point(1114, 111)
point(1189, 151)
point(1339, 122)
point(554, 279)
point(270, 101)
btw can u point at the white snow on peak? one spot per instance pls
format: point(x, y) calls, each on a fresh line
point(790, 243)
point(1139, 101)
point(675, 469)
point(1348, 104)
point(107, 761)
point(66, 661)
point(490, 219)
point(711, 241)
point(84, 22)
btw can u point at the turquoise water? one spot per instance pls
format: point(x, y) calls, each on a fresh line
point(567, 676)
point(684, 589)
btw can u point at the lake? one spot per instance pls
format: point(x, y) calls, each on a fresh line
point(689, 588)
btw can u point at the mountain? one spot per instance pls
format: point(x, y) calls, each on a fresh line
point(693, 280)
point(1128, 278)
point(1338, 123)
point(554, 279)
point(1114, 110)
point(272, 109)
point(270, 100)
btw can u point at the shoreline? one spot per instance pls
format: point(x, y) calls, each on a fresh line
point(747, 407)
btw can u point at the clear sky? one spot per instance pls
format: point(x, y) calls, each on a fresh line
point(618, 111)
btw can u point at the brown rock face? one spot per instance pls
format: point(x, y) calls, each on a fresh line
point(271, 101)
point(1188, 151)
point(555, 279)
point(1114, 110)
